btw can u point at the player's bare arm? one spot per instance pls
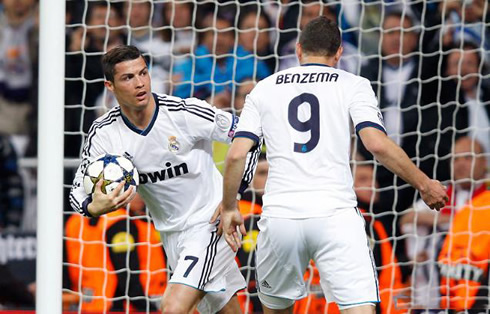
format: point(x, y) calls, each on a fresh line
point(105, 203)
point(396, 160)
point(230, 215)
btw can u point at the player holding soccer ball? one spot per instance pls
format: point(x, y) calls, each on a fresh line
point(168, 139)
point(309, 205)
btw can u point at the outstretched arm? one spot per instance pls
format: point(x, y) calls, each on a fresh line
point(234, 168)
point(396, 160)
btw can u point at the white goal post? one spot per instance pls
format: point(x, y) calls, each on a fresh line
point(50, 157)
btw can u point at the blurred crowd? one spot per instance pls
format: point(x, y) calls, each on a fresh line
point(427, 62)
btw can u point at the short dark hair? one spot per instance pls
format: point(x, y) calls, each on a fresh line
point(320, 37)
point(117, 55)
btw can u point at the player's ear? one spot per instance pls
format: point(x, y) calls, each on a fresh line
point(338, 54)
point(109, 85)
point(299, 52)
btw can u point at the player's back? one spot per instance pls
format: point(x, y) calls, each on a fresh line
point(304, 119)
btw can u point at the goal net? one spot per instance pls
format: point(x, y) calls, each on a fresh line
point(427, 63)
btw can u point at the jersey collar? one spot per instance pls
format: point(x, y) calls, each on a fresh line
point(315, 64)
point(147, 130)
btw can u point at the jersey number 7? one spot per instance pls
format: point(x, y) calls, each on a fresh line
point(194, 260)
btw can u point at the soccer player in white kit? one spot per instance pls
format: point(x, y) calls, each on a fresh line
point(169, 140)
point(309, 206)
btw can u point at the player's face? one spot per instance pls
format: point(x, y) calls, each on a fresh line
point(131, 86)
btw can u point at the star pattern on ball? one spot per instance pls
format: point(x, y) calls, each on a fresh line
point(105, 183)
point(107, 159)
point(95, 180)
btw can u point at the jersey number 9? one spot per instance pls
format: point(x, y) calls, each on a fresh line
point(312, 124)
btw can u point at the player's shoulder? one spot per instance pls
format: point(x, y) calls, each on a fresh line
point(180, 109)
point(264, 85)
point(111, 114)
point(108, 119)
point(164, 100)
point(169, 101)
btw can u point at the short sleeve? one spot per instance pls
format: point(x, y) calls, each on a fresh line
point(208, 122)
point(250, 125)
point(363, 107)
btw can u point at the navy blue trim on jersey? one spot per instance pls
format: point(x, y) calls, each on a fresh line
point(249, 135)
point(146, 130)
point(85, 203)
point(357, 303)
point(182, 105)
point(316, 64)
point(234, 124)
point(367, 124)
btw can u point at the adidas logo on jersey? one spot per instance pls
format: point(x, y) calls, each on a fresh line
point(164, 174)
point(265, 284)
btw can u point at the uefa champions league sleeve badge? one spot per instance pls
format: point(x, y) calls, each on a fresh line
point(222, 121)
point(173, 144)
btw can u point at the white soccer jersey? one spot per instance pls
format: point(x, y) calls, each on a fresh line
point(178, 179)
point(302, 114)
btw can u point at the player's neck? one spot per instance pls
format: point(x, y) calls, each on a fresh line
point(140, 117)
point(330, 61)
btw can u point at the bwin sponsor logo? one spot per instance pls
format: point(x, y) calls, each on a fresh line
point(164, 174)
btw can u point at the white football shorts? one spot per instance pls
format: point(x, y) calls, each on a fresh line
point(199, 258)
point(337, 244)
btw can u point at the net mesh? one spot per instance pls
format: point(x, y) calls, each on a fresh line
point(427, 62)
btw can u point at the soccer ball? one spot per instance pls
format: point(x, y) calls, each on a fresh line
point(112, 169)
